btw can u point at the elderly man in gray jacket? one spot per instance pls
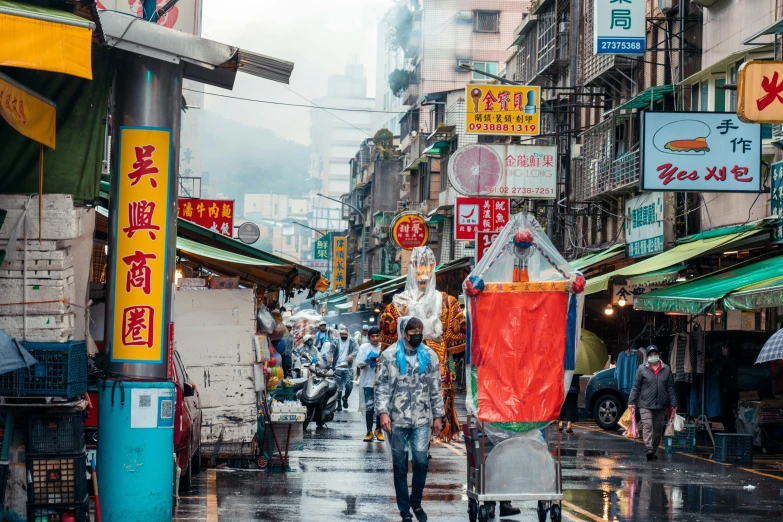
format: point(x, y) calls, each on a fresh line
point(653, 392)
point(410, 404)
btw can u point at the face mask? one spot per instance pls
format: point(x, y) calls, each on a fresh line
point(653, 359)
point(309, 343)
point(344, 338)
point(416, 339)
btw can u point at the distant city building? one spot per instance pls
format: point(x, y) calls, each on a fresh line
point(388, 106)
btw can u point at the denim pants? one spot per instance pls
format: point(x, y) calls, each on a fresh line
point(369, 409)
point(344, 382)
point(419, 441)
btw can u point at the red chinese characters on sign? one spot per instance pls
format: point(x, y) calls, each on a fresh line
point(138, 325)
point(143, 166)
point(214, 214)
point(139, 274)
point(140, 215)
point(484, 241)
point(773, 91)
point(479, 215)
point(669, 173)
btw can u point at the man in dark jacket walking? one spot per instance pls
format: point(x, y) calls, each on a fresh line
point(653, 392)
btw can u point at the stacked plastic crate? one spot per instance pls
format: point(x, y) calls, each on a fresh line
point(57, 468)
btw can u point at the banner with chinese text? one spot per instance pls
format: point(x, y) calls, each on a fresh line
point(619, 26)
point(479, 215)
point(644, 229)
point(508, 110)
point(776, 199)
point(29, 113)
point(339, 270)
point(214, 214)
point(410, 230)
point(526, 171)
point(697, 152)
point(141, 254)
point(321, 253)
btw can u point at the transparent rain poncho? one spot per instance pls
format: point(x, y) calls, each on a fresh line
point(420, 298)
point(524, 309)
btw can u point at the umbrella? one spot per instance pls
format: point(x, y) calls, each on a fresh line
point(592, 354)
point(772, 349)
point(12, 355)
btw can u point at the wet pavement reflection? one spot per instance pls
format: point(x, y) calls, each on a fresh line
point(336, 476)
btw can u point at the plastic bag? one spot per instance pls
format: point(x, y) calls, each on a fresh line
point(669, 429)
point(632, 431)
point(679, 423)
point(625, 420)
point(265, 319)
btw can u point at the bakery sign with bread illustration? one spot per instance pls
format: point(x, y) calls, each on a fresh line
point(700, 152)
point(505, 110)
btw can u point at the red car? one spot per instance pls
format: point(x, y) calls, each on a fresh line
point(187, 424)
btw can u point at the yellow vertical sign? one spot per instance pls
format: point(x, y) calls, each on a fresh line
point(140, 256)
point(30, 114)
point(508, 110)
point(339, 272)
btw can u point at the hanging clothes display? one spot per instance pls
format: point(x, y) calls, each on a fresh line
point(698, 344)
point(680, 359)
point(712, 405)
point(625, 371)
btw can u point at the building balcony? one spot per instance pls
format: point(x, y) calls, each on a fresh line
point(601, 69)
point(411, 94)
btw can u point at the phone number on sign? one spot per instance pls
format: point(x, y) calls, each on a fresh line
point(621, 46)
point(521, 190)
point(504, 127)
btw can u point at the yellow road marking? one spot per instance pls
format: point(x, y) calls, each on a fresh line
point(453, 450)
point(705, 459)
point(574, 507)
point(762, 474)
point(212, 507)
point(570, 516)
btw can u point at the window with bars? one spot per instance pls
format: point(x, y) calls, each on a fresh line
point(487, 22)
point(546, 39)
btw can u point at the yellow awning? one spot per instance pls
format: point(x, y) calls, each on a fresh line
point(45, 39)
point(669, 258)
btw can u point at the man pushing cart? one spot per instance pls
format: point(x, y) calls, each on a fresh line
point(519, 366)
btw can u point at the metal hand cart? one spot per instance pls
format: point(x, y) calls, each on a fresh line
point(516, 469)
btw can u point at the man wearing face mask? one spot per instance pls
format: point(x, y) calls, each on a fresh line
point(343, 352)
point(410, 404)
point(653, 392)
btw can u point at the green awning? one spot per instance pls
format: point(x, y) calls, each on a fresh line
point(192, 247)
point(437, 148)
point(717, 232)
point(644, 98)
point(381, 277)
point(658, 277)
point(766, 294)
point(700, 295)
point(597, 257)
point(667, 259)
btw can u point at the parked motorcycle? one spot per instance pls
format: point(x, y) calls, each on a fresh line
point(319, 396)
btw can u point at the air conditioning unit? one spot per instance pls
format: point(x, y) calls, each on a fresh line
point(463, 61)
point(576, 150)
point(563, 27)
point(666, 6)
point(465, 16)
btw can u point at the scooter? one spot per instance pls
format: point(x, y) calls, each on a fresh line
point(319, 396)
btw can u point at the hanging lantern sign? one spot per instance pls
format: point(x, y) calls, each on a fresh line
point(410, 230)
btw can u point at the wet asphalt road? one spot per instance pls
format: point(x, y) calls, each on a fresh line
point(336, 476)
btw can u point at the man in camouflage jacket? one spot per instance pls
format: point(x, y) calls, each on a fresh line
point(410, 404)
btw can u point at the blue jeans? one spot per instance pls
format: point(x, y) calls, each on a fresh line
point(344, 382)
point(419, 441)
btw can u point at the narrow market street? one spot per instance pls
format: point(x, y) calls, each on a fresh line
point(336, 476)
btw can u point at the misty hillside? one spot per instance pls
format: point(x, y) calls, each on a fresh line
point(242, 159)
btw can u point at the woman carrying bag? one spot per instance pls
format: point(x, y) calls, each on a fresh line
point(653, 393)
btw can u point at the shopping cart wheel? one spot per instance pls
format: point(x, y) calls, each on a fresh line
point(541, 511)
point(262, 462)
point(472, 510)
point(483, 515)
point(555, 513)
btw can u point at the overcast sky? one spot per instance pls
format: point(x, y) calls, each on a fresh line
point(320, 36)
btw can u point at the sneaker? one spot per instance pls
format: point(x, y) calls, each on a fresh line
point(339, 406)
point(345, 404)
point(650, 456)
point(421, 516)
point(406, 517)
point(507, 510)
point(379, 435)
point(368, 437)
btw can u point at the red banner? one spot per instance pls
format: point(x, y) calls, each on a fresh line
point(479, 215)
point(214, 214)
point(484, 241)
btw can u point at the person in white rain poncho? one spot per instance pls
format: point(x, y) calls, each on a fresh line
point(366, 362)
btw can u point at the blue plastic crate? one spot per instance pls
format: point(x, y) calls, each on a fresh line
point(733, 447)
point(682, 441)
point(9, 384)
point(61, 370)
